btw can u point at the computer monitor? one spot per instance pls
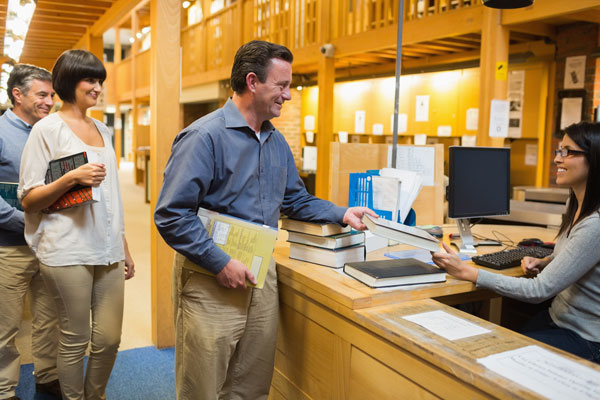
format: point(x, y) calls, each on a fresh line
point(479, 186)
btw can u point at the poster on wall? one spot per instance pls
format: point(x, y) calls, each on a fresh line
point(574, 72)
point(402, 123)
point(359, 121)
point(531, 153)
point(309, 123)
point(472, 119)
point(570, 112)
point(422, 109)
point(499, 118)
point(516, 90)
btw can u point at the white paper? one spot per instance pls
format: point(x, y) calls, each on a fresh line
point(221, 232)
point(499, 118)
point(545, 372)
point(418, 159)
point(570, 112)
point(531, 153)
point(420, 139)
point(377, 129)
point(402, 123)
point(444, 130)
point(446, 325)
point(386, 194)
point(310, 136)
point(515, 95)
point(422, 109)
point(309, 123)
point(574, 72)
point(359, 121)
point(343, 136)
point(409, 189)
point(472, 119)
point(309, 158)
point(468, 140)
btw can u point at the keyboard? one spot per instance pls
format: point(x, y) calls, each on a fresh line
point(510, 258)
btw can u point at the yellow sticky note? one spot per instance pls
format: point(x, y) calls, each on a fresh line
point(501, 70)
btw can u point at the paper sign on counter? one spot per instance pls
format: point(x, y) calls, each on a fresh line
point(446, 325)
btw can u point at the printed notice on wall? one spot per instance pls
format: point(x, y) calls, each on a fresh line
point(516, 89)
point(444, 130)
point(377, 129)
point(309, 123)
point(499, 118)
point(570, 112)
point(531, 153)
point(472, 119)
point(446, 325)
point(422, 109)
point(415, 158)
point(574, 72)
point(359, 121)
point(546, 373)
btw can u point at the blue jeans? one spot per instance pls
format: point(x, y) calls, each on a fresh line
point(542, 328)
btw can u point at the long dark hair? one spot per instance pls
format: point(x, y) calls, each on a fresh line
point(587, 136)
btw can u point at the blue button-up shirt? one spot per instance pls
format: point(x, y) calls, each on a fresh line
point(218, 163)
point(14, 132)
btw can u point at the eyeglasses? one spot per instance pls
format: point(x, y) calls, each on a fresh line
point(565, 152)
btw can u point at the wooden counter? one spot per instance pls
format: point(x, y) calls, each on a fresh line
point(339, 339)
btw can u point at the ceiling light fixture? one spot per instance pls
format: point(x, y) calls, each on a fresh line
point(507, 4)
point(18, 17)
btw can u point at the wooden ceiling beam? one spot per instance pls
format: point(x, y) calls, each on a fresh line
point(588, 16)
point(64, 15)
point(81, 3)
point(546, 9)
point(45, 27)
point(71, 9)
point(535, 28)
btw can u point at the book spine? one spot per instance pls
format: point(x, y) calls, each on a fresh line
point(73, 198)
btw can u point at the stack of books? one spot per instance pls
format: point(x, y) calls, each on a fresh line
point(324, 244)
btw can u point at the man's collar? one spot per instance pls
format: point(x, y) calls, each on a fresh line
point(16, 120)
point(235, 119)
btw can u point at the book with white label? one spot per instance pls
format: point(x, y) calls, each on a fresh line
point(327, 242)
point(313, 228)
point(329, 258)
point(401, 233)
point(248, 242)
point(382, 273)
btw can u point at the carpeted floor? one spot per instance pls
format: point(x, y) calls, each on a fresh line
point(139, 374)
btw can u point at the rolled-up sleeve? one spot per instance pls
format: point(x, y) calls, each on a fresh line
point(187, 179)
point(34, 161)
point(299, 204)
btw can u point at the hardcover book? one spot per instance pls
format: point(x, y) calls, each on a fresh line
point(313, 228)
point(401, 233)
point(78, 194)
point(327, 242)
point(249, 242)
point(383, 273)
point(8, 191)
point(329, 258)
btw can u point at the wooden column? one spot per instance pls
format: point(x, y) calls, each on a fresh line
point(164, 126)
point(325, 79)
point(493, 72)
point(95, 45)
point(137, 174)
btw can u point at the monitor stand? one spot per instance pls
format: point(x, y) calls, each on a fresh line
point(467, 243)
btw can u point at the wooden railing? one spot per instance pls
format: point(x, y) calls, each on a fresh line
point(210, 45)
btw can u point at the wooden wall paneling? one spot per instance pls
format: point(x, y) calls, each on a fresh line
point(544, 180)
point(468, 88)
point(165, 123)
point(124, 83)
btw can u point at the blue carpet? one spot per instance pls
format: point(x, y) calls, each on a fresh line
point(139, 374)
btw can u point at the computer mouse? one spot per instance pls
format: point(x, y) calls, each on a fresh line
point(530, 242)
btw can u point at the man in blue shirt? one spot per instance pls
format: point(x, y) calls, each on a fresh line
point(233, 161)
point(30, 90)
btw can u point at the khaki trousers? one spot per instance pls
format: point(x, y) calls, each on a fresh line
point(20, 271)
point(77, 291)
point(225, 338)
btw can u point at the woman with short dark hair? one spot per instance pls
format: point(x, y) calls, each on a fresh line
point(82, 250)
point(572, 272)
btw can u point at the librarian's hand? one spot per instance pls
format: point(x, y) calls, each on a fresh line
point(353, 217)
point(129, 267)
point(532, 266)
point(452, 264)
point(89, 174)
point(234, 275)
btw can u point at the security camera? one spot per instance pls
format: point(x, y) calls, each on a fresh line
point(327, 50)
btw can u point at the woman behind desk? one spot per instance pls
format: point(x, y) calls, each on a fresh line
point(572, 272)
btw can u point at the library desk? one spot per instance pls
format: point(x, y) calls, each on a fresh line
point(339, 339)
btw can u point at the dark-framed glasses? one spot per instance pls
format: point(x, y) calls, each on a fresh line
point(566, 152)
